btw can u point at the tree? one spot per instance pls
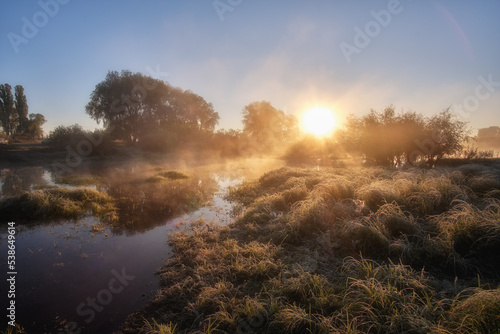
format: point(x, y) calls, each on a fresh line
point(380, 136)
point(21, 105)
point(34, 126)
point(197, 113)
point(385, 138)
point(67, 135)
point(118, 102)
point(8, 115)
point(444, 135)
point(268, 126)
point(134, 105)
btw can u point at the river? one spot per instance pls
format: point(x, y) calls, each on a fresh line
point(75, 278)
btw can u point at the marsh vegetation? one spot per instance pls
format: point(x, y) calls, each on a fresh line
point(340, 250)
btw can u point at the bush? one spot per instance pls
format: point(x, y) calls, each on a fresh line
point(77, 138)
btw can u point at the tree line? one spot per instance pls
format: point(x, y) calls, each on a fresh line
point(14, 117)
point(157, 116)
point(387, 138)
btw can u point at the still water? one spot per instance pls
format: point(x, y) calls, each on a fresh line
point(73, 278)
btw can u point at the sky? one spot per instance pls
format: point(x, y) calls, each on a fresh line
point(350, 56)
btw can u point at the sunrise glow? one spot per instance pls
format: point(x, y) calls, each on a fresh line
point(319, 121)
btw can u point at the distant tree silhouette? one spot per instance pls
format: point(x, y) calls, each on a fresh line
point(33, 126)
point(14, 116)
point(385, 138)
point(8, 114)
point(134, 105)
point(445, 135)
point(67, 135)
point(21, 105)
point(267, 126)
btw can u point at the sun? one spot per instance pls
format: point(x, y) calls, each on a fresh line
point(319, 121)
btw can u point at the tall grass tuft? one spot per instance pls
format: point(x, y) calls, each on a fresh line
point(473, 233)
point(475, 311)
point(58, 203)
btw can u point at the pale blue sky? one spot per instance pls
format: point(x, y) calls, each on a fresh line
point(427, 56)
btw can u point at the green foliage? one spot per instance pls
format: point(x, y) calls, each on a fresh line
point(67, 135)
point(33, 126)
point(21, 105)
point(135, 107)
point(14, 114)
point(8, 114)
point(73, 136)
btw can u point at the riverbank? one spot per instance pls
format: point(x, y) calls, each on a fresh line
point(337, 250)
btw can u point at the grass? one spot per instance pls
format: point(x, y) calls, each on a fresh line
point(14, 330)
point(79, 180)
point(58, 203)
point(360, 250)
point(128, 201)
point(165, 176)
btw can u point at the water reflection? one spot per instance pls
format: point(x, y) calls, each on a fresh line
point(142, 202)
point(15, 181)
point(62, 263)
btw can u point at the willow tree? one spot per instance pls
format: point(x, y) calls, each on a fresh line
point(132, 105)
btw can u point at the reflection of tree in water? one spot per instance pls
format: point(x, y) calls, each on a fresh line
point(143, 205)
point(15, 181)
point(143, 201)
